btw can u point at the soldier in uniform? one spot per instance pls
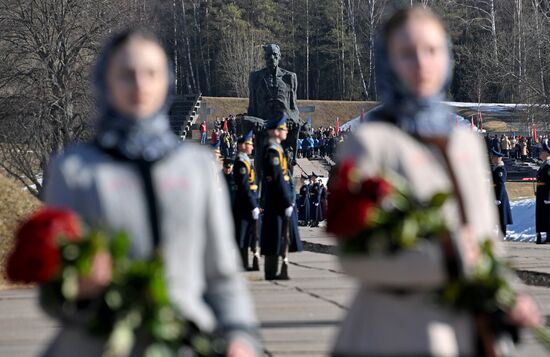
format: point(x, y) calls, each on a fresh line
point(314, 200)
point(543, 196)
point(499, 184)
point(229, 180)
point(280, 223)
point(246, 211)
point(324, 202)
point(303, 205)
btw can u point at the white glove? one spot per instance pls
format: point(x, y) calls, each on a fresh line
point(316, 204)
point(255, 213)
point(546, 202)
point(497, 202)
point(288, 211)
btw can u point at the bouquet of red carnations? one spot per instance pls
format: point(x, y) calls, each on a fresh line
point(51, 249)
point(379, 213)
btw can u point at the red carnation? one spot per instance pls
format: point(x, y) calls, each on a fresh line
point(347, 214)
point(351, 200)
point(36, 256)
point(376, 189)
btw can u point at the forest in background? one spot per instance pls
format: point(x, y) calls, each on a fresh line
point(48, 47)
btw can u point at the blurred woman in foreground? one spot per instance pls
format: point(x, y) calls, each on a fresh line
point(137, 178)
point(412, 134)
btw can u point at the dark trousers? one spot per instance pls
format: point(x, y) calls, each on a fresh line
point(271, 266)
point(539, 238)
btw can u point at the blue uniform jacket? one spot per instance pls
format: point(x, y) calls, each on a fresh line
point(314, 201)
point(543, 194)
point(499, 182)
point(246, 199)
point(303, 207)
point(277, 190)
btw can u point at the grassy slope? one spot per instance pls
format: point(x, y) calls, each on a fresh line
point(324, 115)
point(15, 205)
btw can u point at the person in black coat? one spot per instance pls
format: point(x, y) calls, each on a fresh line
point(229, 180)
point(303, 203)
point(279, 212)
point(324, 201)
point(499, 184)
point(542, 225)
point(314, 201)
point(246, 210)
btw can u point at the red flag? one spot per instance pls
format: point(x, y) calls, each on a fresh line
point(472, 123)
point(225, 127)
point(337, 126)
point(535, 136)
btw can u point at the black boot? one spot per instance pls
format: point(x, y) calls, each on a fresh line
point(271, 264)
point(255, 262)
point(244, 258)
point(539, 238)
point(284, 271)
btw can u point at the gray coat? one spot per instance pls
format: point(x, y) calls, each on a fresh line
point(381, 323)
point(201, 260)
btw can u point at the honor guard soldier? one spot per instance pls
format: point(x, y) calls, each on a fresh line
point(280, 223)
point(499, 183)
point(246, 211)
point(229, 180)
point(303, 203)
point(543, 196)
point(314, 200)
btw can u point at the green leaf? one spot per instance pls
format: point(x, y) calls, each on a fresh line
point(409, 233)
point(159, 350)
point(439, 199)
point(69, 285)
point(120, 245)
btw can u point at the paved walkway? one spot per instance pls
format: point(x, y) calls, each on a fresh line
point(299, 317)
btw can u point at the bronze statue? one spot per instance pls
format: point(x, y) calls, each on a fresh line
point(272, 93)
point(273, 89)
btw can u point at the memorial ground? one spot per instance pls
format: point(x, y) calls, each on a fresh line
point(299, 317)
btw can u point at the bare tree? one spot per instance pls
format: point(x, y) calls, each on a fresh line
point(48, 47)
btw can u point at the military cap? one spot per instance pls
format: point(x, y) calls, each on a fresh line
point(227, 162)
point(278, 122)
point(246, 138)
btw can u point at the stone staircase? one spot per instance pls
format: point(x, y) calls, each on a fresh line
point(307, 166)
point(184, 114)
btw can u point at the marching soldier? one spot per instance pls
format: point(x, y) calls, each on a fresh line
point(543, 196)
point(314, 200)
point(303, 206)
point(280, 224)
point(499, 184)
point(246, 211)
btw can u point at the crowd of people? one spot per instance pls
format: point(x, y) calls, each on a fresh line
point(521, 148)
point(516, 146)
point(320, 142)
point(136, 177)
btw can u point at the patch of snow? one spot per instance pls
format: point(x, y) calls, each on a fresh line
point(523, 214)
